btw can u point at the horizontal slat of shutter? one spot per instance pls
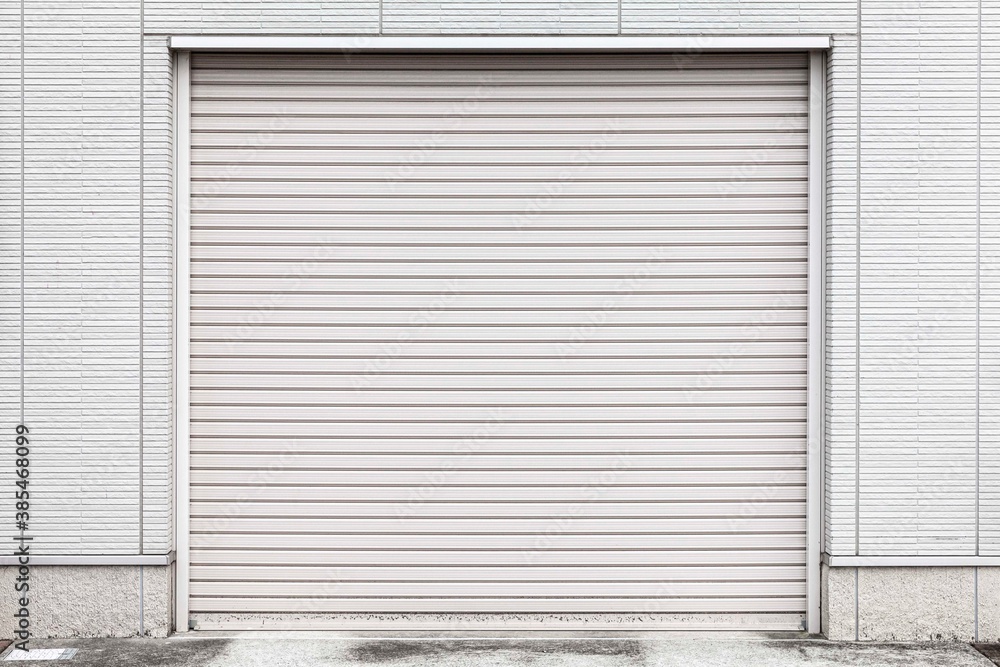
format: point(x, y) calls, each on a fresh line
point(640, 256)
point(489, 423)
point(516, 605)
point(494, 188)
point(376, 107)
point(762, 573)
point(678, 382)
point(554, 124)
point(721, 78)
point(679, 285)
point(524, 543)
point(482, 461)
point(664, 509)
point(451, 349)
point(510, 477)
point(412, 499)
point(486, 140)
point(544, 221)
point(456, 300)
point(452, 588)
point(663, 320)
point(679, 561)
point(582, 446)
point(755, 396)
point(269, 89)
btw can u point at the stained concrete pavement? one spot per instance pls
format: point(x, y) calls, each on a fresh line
point(323, 649)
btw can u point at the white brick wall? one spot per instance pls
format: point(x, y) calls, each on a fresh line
point(739, 16)
point(157, 281)
point(841, 295)
point(500, 17)
point(164, 17)
point(918, 224)
point(989, 367)
point(10, 225)
point(81, 200)
point(916, 256)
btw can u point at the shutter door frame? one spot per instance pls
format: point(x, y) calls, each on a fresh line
point(815, 278)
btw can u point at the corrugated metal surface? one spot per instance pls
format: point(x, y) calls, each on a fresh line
point(482, 333)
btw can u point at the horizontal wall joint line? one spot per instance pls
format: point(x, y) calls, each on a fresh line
point(911, 561)
point(97, 559)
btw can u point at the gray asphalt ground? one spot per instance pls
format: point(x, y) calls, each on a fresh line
point(336, 651)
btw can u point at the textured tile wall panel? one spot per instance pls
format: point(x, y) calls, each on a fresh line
point(10, 231)
point(81, 274)
point(109, 275)
point(947, 276)
point(889, 300)
point(157, 297)
point(500, 17)
point(739, 16)
point(841, 296)
point(918, 309)
point(54, 366)
point(989, 332)
point(262, 16)
point(918, 272)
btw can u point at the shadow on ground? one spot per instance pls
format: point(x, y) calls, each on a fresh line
point(388, 650)
point(318, 650)
point(991, 651)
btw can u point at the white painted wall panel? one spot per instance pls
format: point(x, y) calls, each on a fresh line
point(157, 298)
point(918, 268)
point(947, 276)
point(109, 252)
point(989, 302)
point(165, 17)
point(10, 228)
point(889, 400)
point(58, 464)
point(82, 178)
point(81, 274)
point(499, 17)
point(739, 16)
point(840, 497)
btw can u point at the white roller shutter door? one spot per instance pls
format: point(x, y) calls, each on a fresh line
point(476, 333)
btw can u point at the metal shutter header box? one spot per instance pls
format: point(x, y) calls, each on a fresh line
point(487, 333)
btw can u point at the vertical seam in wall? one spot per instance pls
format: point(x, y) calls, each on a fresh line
point(380, 17)
point(857, 615)
point(975, 604)
point(142, 602)
point(619, 17)
point(857, 311)
point(142, 220)
point(22, 211)
point(979, 191)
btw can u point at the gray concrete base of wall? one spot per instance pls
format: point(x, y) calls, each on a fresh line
point(863, 603)
point(911, 603)
point(91, 600)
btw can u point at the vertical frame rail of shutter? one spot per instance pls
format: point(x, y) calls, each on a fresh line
point(182, 326)
point(816, 335)
point(814, 44)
